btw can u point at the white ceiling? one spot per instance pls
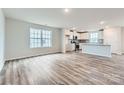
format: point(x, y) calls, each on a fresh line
point(80, 18)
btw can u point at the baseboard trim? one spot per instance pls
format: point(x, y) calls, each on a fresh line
point(13, 59)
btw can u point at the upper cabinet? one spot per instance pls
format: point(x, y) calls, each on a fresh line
point(78, 35)
point(87, 35)
point(84, 36)
point(70, 34)
point(100, 34)
point(67, 32)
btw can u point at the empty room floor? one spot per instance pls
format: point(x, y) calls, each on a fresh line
point(64, 69)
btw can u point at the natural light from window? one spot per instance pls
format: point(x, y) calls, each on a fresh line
point(94, 37)
point(40, 38)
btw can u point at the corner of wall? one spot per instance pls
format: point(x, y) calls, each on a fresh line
point(2, 39)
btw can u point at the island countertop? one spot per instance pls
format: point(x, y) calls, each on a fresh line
point(93, 44)
point(97, 49)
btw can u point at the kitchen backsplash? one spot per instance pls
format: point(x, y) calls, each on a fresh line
point(100, 41)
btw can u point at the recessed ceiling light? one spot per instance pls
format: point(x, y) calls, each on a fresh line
point(102, 22)
point(66, 10)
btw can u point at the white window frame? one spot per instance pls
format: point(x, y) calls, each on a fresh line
point(94, 37)
point(38, 36)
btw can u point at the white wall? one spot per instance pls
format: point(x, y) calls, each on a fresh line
point(2, 31)
point(123, 40)
point(17, 40)
point(112, 36)
point(63, 41)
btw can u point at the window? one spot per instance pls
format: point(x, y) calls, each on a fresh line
point(94, 37)
point(40, 38)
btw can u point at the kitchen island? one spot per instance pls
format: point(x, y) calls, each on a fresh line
point(97, 49)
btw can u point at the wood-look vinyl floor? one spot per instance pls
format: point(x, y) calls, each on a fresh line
point(64, 69)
